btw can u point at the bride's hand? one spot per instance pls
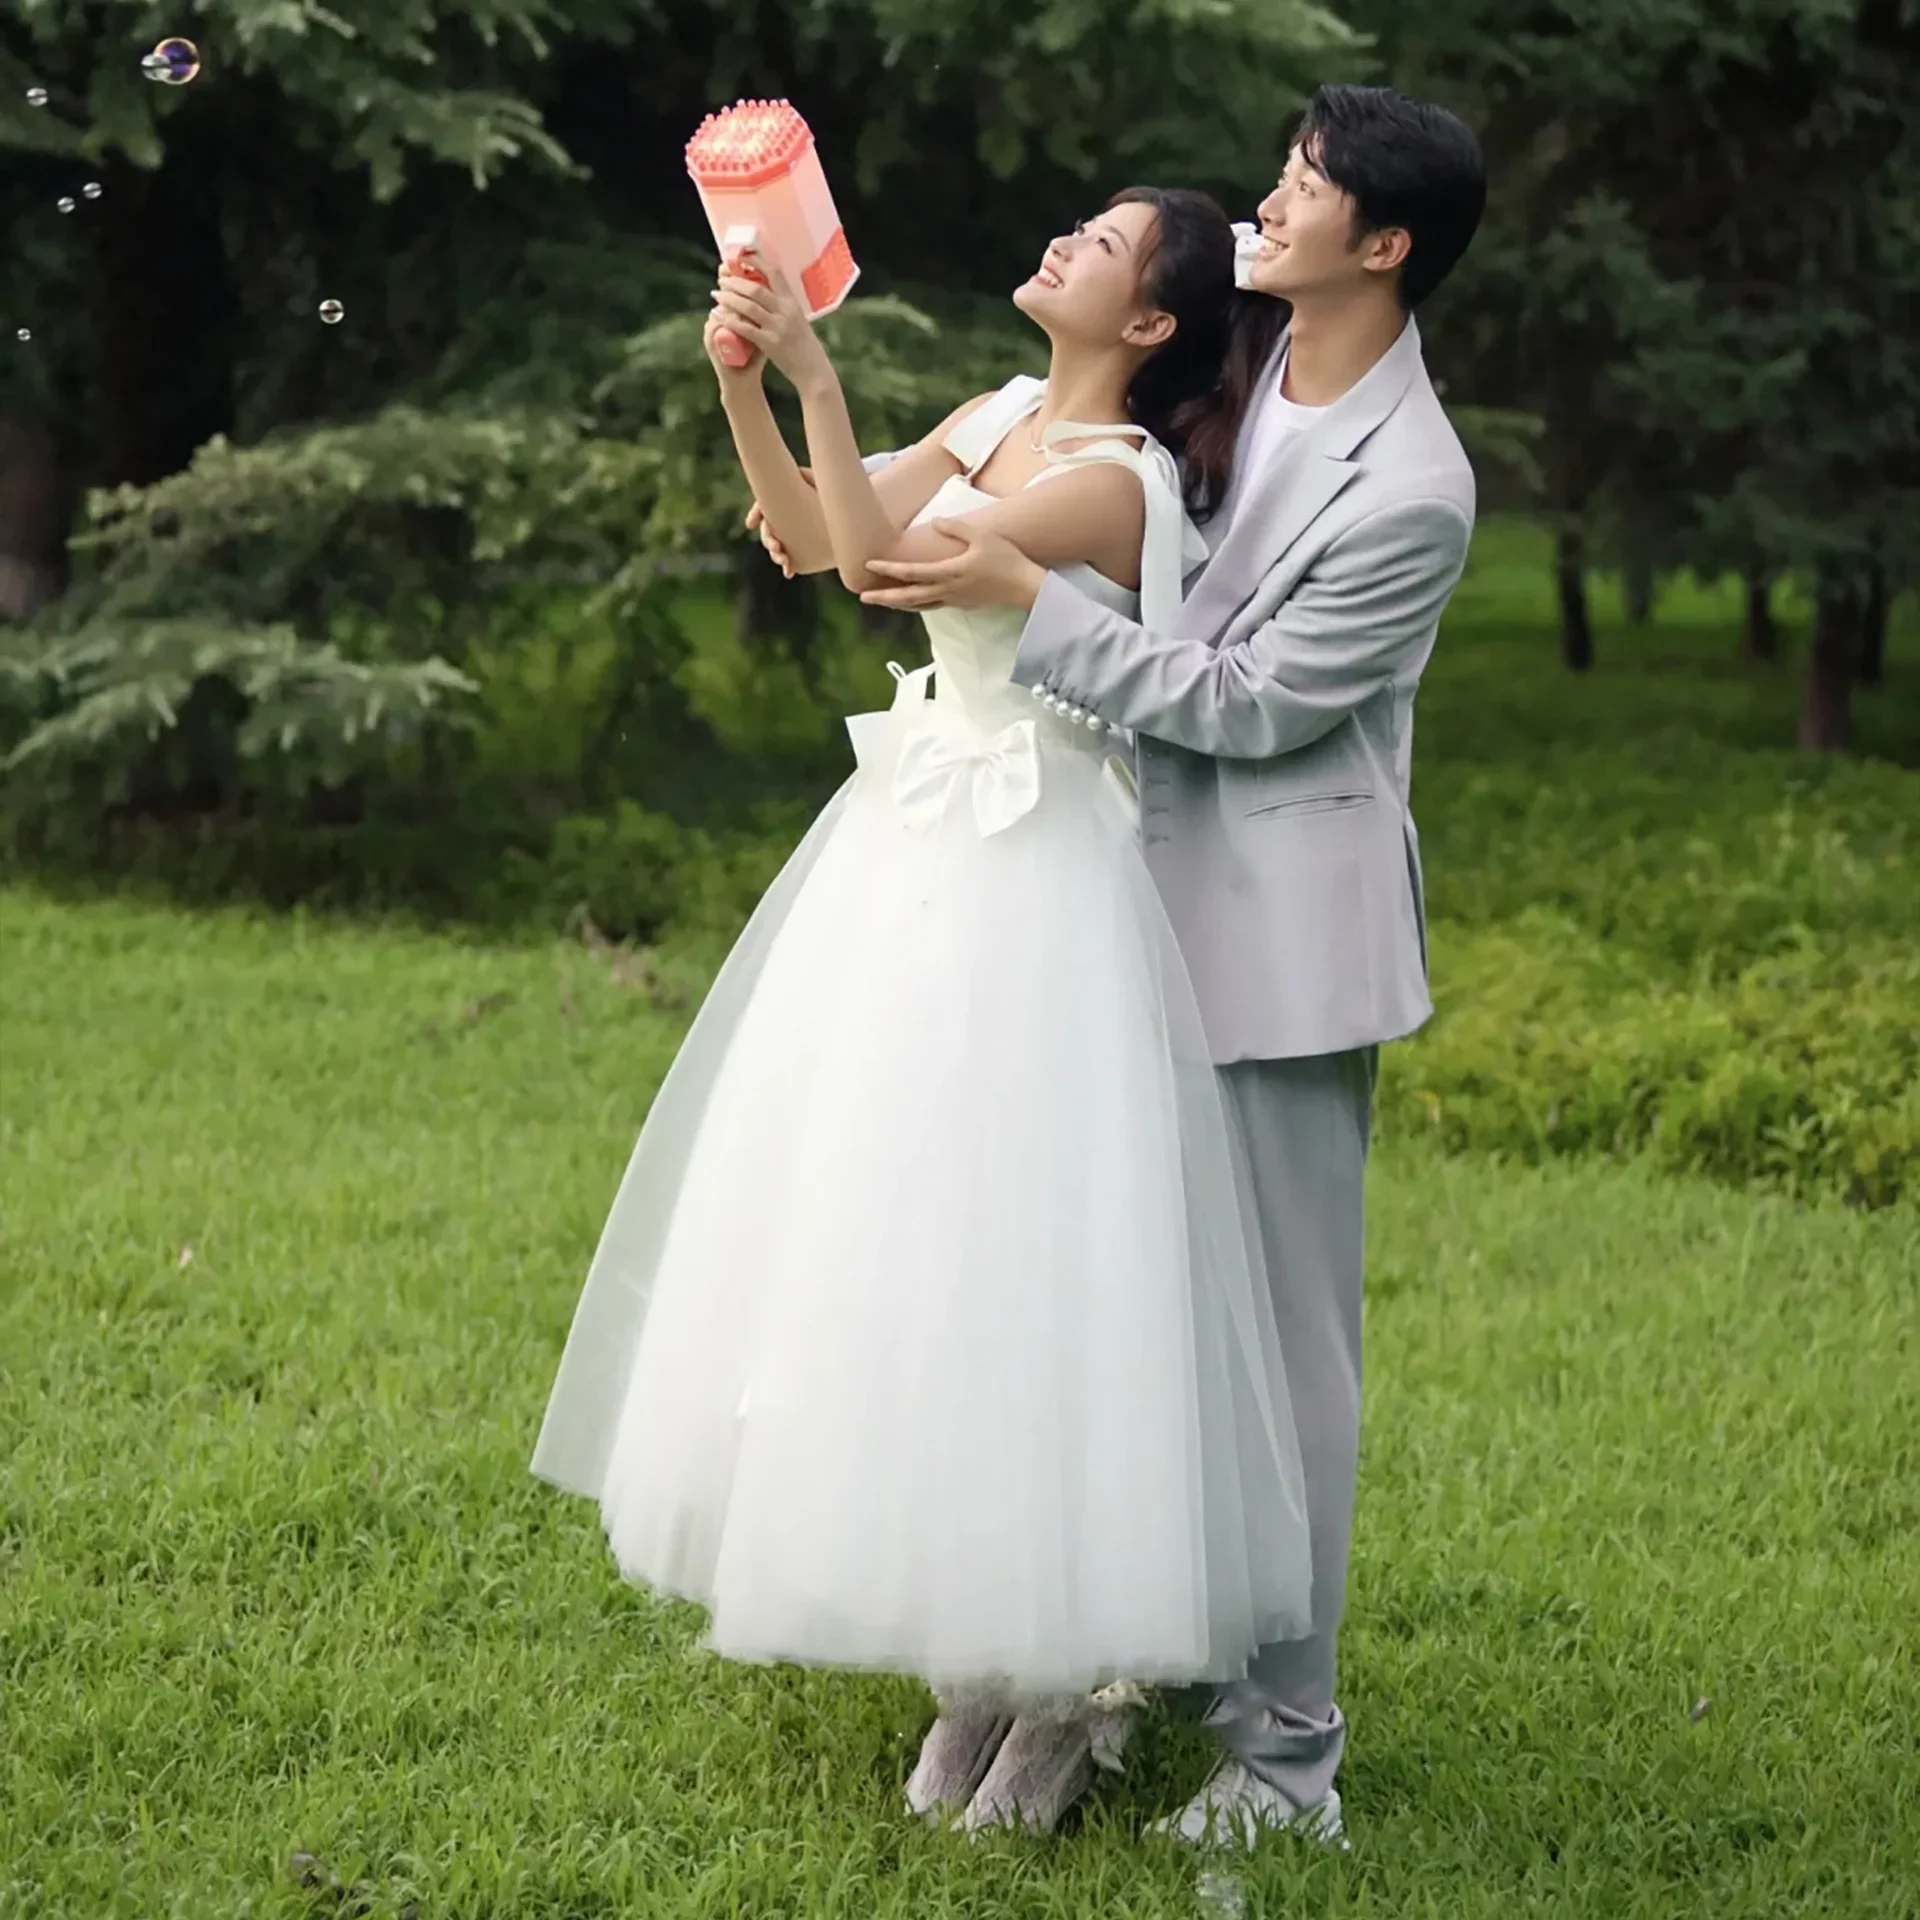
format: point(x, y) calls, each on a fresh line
point(756, 362)
point(768, 317)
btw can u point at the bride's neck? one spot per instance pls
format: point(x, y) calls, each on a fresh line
point(1082, 386)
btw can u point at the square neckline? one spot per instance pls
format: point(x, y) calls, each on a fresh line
point(1030, 403)
point(993, 413)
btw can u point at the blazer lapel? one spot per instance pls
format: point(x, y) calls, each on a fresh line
point(1309, 473)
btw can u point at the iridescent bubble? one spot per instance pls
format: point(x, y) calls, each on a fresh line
point(332, 312)
point(36, 96)
point(66, 203)
point(153, 66)
point(91, 191)
point(175, 62)
point(23, 333)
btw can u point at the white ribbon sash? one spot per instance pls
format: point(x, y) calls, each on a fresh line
point(1003, 771)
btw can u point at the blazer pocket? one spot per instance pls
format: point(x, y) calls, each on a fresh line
point(1299, 803)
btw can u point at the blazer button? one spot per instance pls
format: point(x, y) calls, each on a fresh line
point(1038, 690)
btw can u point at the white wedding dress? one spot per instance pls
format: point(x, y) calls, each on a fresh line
point(926, 1333)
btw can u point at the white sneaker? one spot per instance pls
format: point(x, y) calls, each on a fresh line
point(1236, 1806)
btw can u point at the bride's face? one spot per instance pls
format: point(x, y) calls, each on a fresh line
point(1088, 284)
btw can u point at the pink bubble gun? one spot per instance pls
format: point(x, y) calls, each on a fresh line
point(759, 179)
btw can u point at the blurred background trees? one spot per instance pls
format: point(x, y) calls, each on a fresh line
point(258, 567)
point(1701, 275)
point(298, 534)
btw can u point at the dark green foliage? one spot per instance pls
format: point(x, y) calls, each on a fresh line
point(495, 194)
point(1700, 270)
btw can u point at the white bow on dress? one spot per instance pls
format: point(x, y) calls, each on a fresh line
point(1003, 770)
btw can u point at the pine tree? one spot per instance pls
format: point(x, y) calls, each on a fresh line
point(493, 191)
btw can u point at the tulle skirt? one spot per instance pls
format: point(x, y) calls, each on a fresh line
point(927, 1333)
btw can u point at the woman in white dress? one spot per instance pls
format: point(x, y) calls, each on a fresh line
point(926, 1334)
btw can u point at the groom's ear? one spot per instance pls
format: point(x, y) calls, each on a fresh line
point(1384, 249)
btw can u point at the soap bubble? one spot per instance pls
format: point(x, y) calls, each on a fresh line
point(91, 191)
point(36, 96)
point(172, 62)
point(66, 203)
point(332, 312)
point(23, 333)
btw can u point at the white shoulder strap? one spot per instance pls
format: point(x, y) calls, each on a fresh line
point(1171, 545)
point(975, 438)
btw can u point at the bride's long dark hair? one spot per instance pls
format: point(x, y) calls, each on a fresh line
point(1193, 394)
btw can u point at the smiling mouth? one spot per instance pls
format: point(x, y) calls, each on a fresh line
point(1048, 278)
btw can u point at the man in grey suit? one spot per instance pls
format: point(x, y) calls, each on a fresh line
point(1274, 735)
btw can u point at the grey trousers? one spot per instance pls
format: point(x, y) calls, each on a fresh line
point(1305, 1125)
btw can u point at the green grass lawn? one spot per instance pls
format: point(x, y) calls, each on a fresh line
point(292, 1222)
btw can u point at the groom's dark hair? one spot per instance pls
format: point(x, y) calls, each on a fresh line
point(1404, 163)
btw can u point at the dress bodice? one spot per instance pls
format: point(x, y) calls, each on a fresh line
point(980, 730)
point(974, 647)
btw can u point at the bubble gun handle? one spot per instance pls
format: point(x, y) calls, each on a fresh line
point(735, 248)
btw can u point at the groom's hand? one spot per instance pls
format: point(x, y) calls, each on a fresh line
point(988, 571)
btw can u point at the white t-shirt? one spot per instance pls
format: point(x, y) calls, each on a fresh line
point(1273, 419)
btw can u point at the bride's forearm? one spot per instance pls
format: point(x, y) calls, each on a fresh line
point(790, 505)
point(859, 529)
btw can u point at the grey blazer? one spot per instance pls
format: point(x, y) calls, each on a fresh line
point(1274, 725)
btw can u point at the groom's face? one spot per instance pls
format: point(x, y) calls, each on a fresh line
point(1311, 232)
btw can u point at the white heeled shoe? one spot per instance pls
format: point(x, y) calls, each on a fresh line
point(1042, 1768)
point(959, 1749)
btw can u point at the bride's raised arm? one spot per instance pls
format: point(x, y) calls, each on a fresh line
point(844, 516)
point(783, 493)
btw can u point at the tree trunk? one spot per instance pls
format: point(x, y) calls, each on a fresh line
point(1873, 629)
point(1760, 639)
point(767, 606)
point(1639, 588)
point(1570, 578)
point(1833, 665)
point(33, 521)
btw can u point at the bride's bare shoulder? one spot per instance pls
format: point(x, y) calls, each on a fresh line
point(964, 410)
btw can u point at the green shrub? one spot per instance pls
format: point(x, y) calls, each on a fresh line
point(1700, 858)
point(1801, 1071)
point(621, 869)
point(640, 876)
point(434, 869)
